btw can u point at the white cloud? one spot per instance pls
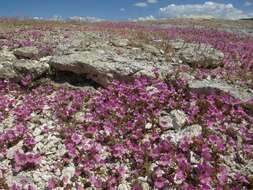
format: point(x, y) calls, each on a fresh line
point(141, 4)
point(247, 3)
point(208, 9)
point(145, 3)
point(152, 1)
point(56, 18)
point(122, 9)
point(151, 17)
point(86, 19)
point(37, 18)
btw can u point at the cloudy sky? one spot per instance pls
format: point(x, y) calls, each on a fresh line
point(128, 9)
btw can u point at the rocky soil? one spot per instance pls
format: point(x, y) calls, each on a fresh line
point(108, 111)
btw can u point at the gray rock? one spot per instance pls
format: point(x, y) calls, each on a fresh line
point(198, 55)
point(11, 68)
point(120, 42)
point(80, 41)
point(148, 126)
point(20, 179)
point(206, 86)
point(26, 52)
point(151, 49)
point(124, 186)
point(103, 66)
point(179, 117)
point(37, 131)
point(6, 69)
point(68, 172)
point(186, 76)
point(39, 138)
point(39, 147)
point(11, 151)
point(7, 54)
point(194, 158)
point(143, 183)
point(33, 67)
point(191, 132)
point(179, 134)
point(144, 186)
point(166, 121)
point(249, 167)
point(173, 120)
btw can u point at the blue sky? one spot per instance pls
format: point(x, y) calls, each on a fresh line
point(118, 9)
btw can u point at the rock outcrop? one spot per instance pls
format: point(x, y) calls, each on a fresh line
point(102, 66)
point(11, 68)
point(206, 86)
point(197, 55)
point(26, 52)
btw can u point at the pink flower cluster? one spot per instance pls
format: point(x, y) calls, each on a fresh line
point(25, 161)
point(114, 139)
point(10, 137)
point(67, 102)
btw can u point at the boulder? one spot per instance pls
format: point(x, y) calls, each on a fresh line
point(5, 53)
point(102, 66)
point(26, 52)
point(11, 68)
point(198, 55)
point(6, 68)
point(33, 67)
point(120, 42)
point(206, 86)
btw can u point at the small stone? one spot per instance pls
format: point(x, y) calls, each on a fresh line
point(144, 185)
point(37, 131)
point(193, 158)
point(179, 117)
point(58, 172)
point(166, 122)
point(68, 172)
point(79, 117)
point(124, 186)
point(11, 151)
point(7, 54)
point(249, 167)
point(191, 131)
point(153, 166)
point(45, 176)
point(45, 59)
point(152, 90)
point(177, 135)
point(39, 138)
point(148, 126)
point(120, 42)
point(39, 147)
point(36, 176)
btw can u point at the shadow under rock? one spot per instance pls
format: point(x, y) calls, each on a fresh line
point(72, 80)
